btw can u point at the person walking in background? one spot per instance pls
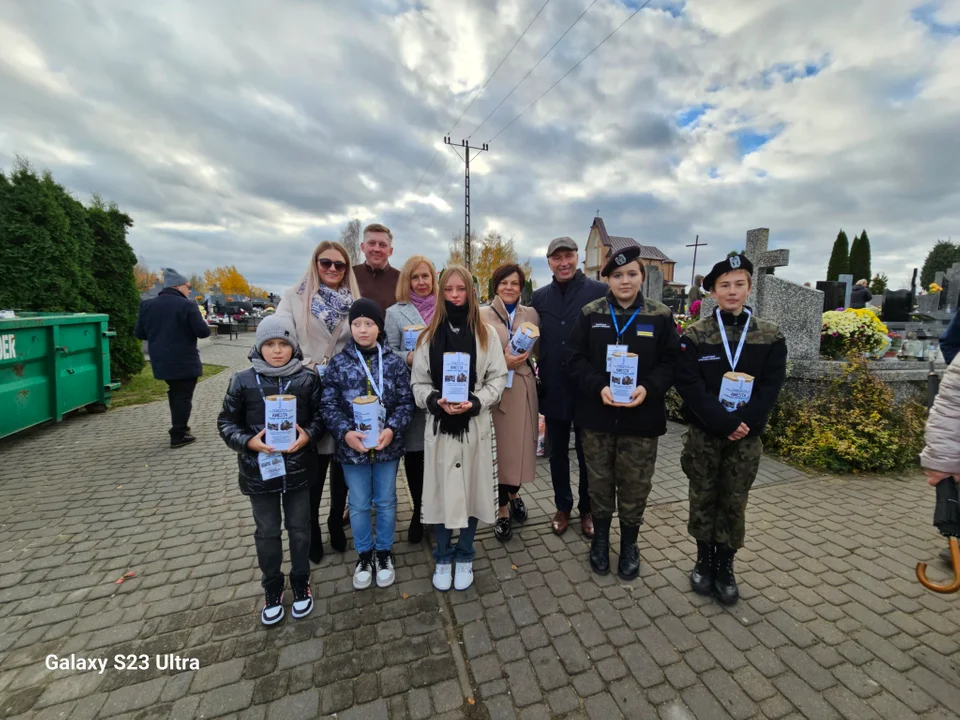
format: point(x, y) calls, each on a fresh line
point(416, 303)
point(620, 438)
point(270, 479)
point(171, 324)
point(731, 368)
point(558, 305)
point(365, 367)
point(318, 307)
point(375, 277)
point(860, 295)
point(515, 418)
point(460, 462)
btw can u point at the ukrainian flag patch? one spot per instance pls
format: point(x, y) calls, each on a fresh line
point(645, 331)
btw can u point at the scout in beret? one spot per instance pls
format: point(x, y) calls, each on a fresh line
point(731, 368)
point(623, 349)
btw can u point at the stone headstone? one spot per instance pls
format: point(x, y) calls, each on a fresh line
point(848, 280)
point(653, 284)
point(928, 303)
point(833, 292)
point(897, 305)
point(953, 286)
point(798, 310)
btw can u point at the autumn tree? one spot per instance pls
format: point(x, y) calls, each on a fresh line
point(488, 254)
point(350, 239)
point(228, 279)
point(198, 284)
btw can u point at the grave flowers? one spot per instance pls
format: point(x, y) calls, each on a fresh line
point(851, 332)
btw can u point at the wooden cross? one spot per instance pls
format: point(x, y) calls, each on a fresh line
point(693, 274)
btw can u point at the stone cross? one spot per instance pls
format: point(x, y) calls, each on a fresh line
point(757, 242)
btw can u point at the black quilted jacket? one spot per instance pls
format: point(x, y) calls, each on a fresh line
point(242, 416)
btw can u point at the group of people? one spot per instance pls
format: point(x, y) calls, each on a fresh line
point(346, 332)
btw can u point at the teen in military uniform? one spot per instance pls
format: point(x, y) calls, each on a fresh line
point(620, 439)
point(731, 368)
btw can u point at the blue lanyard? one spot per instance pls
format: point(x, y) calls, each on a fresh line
point(619, 331)
point(280, 388)
point(377, 389)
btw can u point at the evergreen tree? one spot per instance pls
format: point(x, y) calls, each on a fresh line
point(941, 257)
point(878, 285)
point(117, 289)
point(866, 261)
point(855, 263)
point(839, 258)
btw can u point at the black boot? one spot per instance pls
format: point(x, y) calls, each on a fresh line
point(600, 546)
point(629, 566)
point(316, 545)
point(415, 531)
point(701, 577)
point(724, 583)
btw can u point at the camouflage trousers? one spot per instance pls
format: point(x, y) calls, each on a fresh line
point(621, 474)
point(721, 473)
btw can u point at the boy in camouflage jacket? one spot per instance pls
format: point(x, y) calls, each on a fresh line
point(731, 368)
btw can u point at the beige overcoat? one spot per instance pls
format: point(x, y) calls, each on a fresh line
point(515, 418)
point(460, 478)
point(314, 341)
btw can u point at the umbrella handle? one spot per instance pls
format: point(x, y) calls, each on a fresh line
point(950, 587)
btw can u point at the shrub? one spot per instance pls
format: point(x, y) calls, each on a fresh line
point(851, 332)
point(852, 425)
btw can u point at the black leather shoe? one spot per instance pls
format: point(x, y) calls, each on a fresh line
point(724, 582)
point(518, 511)
point(600, 546)
point(503, 529)
point(180, 442)
point(701, 577)
point(629, 566)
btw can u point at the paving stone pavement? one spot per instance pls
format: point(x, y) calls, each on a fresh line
point(832, 623)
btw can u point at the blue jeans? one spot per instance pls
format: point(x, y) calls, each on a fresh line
point(444, 552)
point(372, 484)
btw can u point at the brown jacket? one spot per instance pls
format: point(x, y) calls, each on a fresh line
point(378, 285)
point(515, 418)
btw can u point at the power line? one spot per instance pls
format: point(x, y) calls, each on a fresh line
point(476, 93)
point(517, 42)
point(569, 71)
point(532, 69)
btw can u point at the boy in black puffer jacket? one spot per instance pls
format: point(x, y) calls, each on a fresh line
point(368, 366)
point(273, 479)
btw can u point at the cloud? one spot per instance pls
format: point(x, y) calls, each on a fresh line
point(236, 135)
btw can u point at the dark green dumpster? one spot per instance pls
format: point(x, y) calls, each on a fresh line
point(51, 364)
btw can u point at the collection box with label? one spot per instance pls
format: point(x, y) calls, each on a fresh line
point(366, 418)
point(623, 376)
point(524, 339)
point(735, 390)
point(410, 335)
point(281, 421)
point(456, 377)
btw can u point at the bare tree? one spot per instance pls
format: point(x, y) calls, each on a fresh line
point(350, 239)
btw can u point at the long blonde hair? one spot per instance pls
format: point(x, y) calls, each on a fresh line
point(403, 284)
point(311, 278)
point(477, 326)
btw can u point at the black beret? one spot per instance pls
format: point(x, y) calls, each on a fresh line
point(622, 258)
point(734, 262)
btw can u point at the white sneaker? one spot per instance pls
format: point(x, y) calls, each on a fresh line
point(464, 576)
point(443, 576)
point(385, 572)
point(363, 575)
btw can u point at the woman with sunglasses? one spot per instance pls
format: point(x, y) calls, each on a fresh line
point(319, 306)
point(416, 303)
point(516, 417)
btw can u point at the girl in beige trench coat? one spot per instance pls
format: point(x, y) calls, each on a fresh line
point(515, 419)
point(318, 306)
point(460, 464)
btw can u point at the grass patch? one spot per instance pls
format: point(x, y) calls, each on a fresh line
point(143, 388)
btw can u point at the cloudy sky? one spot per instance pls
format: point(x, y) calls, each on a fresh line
point(243, 132)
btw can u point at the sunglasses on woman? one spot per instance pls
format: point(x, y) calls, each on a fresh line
point(327, 263)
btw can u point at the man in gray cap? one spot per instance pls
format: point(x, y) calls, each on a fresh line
point(559, 304)
point(171, 323)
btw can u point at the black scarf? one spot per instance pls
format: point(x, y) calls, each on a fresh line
point(453, 335)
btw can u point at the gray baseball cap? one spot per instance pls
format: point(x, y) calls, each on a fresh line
point(561, 243)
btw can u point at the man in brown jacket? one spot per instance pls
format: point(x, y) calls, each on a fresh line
point(375, 276)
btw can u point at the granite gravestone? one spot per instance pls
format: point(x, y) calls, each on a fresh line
point(798, 310)
point(953, 286)
point(928, 303)
point(833, 291)
point(848, 281)
point(653, 284)
point(940, 278)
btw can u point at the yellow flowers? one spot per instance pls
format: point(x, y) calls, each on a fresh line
point(934, 288)
point(851, 331)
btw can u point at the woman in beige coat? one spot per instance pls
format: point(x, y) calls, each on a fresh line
point(941, 452)
point(460, 463)
point(516, 417)
point(319, 305)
